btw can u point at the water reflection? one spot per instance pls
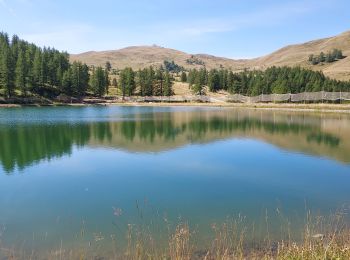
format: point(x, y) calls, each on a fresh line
point(23, 144)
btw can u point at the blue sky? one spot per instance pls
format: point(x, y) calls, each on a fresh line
point(230, 28)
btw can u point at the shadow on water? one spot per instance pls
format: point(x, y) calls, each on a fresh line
point(24, 144)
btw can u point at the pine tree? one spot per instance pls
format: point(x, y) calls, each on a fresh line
point(168, 84)
point(183, 77)
point(98, 82)
point(214, 80)
point(127, 82)
point(21, 75)
point(4, 78)
point(114, 82)
point(329, 57)
point(322, 57)
point(150, 78)
point(67, 82)
point(37, 69)
point(59, 76)
point(79, 78)
point(29, 56)
point(339, 54)
point(6, 72)
point(158, 86)
point(108, 66)
point(192, 77)
point(199, 83)
point(44, 68)
point(311, 58)
point(236, 87)
point(229, 82)
point(107, 81)
point(15, 47)
point(141, 81)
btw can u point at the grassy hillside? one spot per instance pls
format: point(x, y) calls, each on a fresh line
point(293, 55)
point(143, 56)
point(297, 55)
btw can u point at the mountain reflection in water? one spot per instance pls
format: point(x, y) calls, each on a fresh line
point(25, 143)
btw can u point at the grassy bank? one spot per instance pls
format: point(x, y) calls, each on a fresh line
point(320, 238)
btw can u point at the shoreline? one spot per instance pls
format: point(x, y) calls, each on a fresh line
point(286, 107)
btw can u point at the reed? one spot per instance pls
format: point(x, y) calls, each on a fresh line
point(320, 238)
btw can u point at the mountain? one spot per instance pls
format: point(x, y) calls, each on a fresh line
point(297, 55)
point(143, 56)
point(293, 55)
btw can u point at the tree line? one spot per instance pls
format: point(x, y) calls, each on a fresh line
point(27, 68)
point(278, 80)
point(148, 81)
point(329, 57)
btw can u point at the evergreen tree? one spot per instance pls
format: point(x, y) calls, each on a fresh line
point(107, 81)
point(98, 82)
point(192, 77)
point(236, 87)
point(6, 72)
point(114, 82)
point(329, 57)
point(214, 80)
point(158, 86)
point(172, 67)
point(322, 57)
point(37, 69)
point(127, 82)
point(200, 81)
point(142, 81)
point(79, 78)
point(183, 77)
point(168, 84)
point(108, 66)
point(4, 78)
point(229, 83)
point(338, 54)
point(311, 58)
point(67, 82)
point(150, 78)
point(21, 75)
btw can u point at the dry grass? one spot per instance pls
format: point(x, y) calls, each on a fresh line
point(321, 238)
point(293, 55)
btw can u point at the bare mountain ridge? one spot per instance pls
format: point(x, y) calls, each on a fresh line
point(293, 55)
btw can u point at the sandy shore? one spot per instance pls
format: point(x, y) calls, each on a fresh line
point(324, 108)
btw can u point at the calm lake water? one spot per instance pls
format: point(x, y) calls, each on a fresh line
point(72, 175)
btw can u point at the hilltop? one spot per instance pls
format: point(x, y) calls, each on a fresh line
point(292, 55)
point(143, 56)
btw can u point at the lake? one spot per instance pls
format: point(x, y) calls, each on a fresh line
point(77, 176)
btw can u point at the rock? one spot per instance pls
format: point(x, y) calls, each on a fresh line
point(318, 236)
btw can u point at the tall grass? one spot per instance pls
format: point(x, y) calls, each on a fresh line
point(320, 238)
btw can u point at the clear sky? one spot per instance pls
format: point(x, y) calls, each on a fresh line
point(230, 28)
